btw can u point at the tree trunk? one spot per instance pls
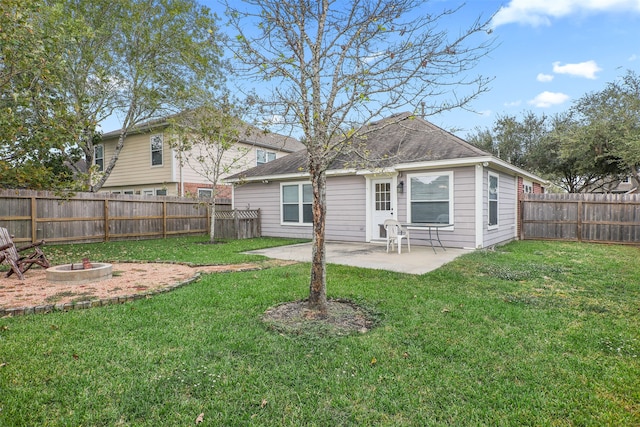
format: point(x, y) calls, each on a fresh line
point(318, 285)
point(212, 225)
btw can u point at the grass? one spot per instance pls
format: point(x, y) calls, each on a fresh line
point(533, 333)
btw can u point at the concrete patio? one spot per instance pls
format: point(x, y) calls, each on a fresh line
point(420, 260)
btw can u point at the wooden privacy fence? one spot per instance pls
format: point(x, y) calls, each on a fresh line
point(238, 224)
point(602, 218)
point(35, 215)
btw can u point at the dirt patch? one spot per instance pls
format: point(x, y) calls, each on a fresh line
point(128, 279)
point(343, 317)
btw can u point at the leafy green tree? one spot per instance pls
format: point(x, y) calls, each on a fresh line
point(69, 64)
point(139, 60)
point(35, 123)
point(331, 66)
point(609, 124)
point(560, 148)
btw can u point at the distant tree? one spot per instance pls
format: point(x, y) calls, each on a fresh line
point(555, 147)
point(333, 66)
point(609, 124)
point(206, 140)
point(565, 160)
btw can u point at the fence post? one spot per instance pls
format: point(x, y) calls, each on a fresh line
point(164, 219)
point(106, 219)
point(236, 224)
point(579, 221)
point(34, 217)
point(259, 228)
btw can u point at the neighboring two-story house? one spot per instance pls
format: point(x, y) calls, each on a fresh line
point(148, 165)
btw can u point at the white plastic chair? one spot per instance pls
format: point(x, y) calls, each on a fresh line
point(395, 234)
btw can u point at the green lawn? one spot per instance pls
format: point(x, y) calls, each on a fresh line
point(533, 333)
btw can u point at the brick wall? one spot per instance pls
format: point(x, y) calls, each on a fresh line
point(191, 188)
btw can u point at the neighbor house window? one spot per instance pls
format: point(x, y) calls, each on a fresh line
point(98, 156)
point(156, 150)
point(161, 192)
point(493, 200)
point(527, 187)
point(431, 198)
point(206, 193)
point(296, 204)
point(263, 156)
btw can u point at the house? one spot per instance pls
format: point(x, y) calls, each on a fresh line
point(417, 173)
point(625, 185)
point(148, 165)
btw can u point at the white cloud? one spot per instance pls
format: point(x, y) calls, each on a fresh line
point(549, 99)
point(633, 57)
point(544, 77)
point(586, 69)
point(539, 12)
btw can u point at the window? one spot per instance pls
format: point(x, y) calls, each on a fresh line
point(527, 187)
point(296, 204)
point(263, 156)
point(161, 192)
point(98, 156)
point(383, 196)
point(493, 200)
point(206, 193)
point(156, 150)
point(431, 198)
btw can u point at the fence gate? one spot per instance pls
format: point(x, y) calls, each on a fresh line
point(238, 224)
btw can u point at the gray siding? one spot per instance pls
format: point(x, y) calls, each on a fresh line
point(346, 209)
point(463, 235)
point(507, 196)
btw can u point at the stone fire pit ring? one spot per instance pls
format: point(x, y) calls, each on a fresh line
point(74, 274)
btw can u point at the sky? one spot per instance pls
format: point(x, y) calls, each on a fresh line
point(547, 54)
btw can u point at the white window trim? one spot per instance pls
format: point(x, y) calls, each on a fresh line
point(95, 157)
point(300, 206)
point(204, 189)
point(407, 183)
point(151, 150)
point(266, 155)
point(497, 224)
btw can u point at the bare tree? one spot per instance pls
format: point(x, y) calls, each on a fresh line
point(206, 140)
point(333, 66)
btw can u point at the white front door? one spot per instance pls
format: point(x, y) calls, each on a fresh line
point(382, 207)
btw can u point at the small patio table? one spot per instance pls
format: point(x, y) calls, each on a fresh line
point(429, 227)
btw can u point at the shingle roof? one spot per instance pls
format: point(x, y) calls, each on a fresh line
point(251, 135)
point(399, 139)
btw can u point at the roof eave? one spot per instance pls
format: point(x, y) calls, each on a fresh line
point(471, 161)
